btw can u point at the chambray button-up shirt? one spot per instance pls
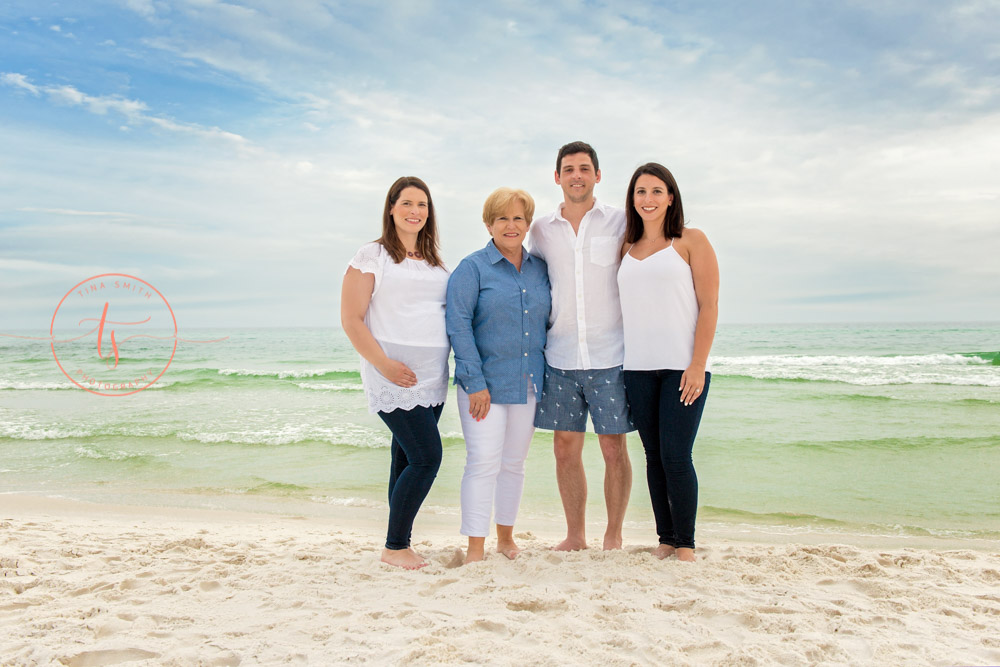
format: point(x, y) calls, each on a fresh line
point(496, 318)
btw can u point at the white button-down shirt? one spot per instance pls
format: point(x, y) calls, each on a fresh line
point(586, 320)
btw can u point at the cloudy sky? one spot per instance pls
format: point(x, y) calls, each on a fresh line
point(841, 156)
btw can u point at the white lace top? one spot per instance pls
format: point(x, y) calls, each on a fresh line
point(406, 317)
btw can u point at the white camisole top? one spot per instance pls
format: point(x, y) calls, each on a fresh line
point(659, 311)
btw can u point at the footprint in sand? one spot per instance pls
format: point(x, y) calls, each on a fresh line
point(491, 626)
point(110, 657)
point(683, 605)
point(435, 587)
point(96, 588)
point(456, 560)
point(537, 605)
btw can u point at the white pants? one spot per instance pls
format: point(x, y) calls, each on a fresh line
point(496, 449)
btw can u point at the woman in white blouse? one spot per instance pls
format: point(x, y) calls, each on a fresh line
point(392, 309)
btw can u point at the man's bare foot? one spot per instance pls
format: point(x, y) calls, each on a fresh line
point(685, 554)
point(508, 549)
point(664, 551)
point(571, 544)
point(612, 542)
point(408, 559)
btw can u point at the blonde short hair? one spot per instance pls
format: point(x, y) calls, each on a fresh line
point(501, 199)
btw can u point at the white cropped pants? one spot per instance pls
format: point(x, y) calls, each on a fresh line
point(495, 451)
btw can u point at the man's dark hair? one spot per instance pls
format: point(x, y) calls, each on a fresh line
point(573, 148)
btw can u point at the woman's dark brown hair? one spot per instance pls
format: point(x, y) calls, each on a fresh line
point(427, 243)
point(673, 223)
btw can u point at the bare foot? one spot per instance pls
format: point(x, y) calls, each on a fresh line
point(408, 559)
point(685, 554)
point(612, 542)
point(570, 544)
point(508, 549)
point(476, 550)
point(664, 551)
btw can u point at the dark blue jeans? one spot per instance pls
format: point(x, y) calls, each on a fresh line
point(416, 457)
point(667, 429)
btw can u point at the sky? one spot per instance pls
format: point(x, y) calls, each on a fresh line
point(842, 157)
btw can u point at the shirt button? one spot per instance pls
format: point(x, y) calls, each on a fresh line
point(525, 333)
point(525, 354)
point(525, 312)
point(523, 291)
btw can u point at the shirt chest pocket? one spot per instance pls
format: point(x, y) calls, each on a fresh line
point(604, 250)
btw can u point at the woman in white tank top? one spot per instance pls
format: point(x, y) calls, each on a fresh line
point(669, 288)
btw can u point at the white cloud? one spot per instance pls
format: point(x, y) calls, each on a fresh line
point(19, 81)
point(49, 269)
point(143, 7)
point(72, 212)
point(99, 105)
point(133, 110)
point(204, 132)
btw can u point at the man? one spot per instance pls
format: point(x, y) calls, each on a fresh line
point(581, 243)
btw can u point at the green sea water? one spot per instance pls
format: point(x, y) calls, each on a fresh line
point(880, 429)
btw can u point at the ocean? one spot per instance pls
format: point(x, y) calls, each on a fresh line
point(880, 429)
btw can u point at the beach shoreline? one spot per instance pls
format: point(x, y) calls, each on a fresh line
point(87, 583)
point(442, 522)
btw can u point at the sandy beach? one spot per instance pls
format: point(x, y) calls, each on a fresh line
point(86, 584)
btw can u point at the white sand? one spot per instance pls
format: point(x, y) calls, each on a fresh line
point(85, 584)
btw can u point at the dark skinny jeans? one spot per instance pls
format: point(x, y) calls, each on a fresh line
point(667, 429)
point(416, 457)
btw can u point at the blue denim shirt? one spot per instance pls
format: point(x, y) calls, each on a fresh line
point(496, 318)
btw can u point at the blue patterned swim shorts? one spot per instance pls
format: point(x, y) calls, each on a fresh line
point(567, 397)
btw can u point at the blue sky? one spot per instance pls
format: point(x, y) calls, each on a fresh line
point(842, 157)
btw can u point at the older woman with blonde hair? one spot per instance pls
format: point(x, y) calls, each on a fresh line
point(497, 311)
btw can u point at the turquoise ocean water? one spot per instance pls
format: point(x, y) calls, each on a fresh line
point(879, 429)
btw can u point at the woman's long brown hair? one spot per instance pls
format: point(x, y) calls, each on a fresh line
point(673, 223)
point(427, 244)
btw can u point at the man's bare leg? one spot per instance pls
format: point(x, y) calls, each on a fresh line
point(572, 480)
point(505, 542)
point(617, 485)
